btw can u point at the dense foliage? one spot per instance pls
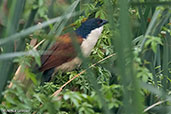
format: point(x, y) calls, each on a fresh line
point(134, 80)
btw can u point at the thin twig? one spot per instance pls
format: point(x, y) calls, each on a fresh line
point(35, 47)
point(153, 105)
point(56, 93)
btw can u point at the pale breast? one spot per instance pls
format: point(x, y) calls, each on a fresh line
point(68, 66)
point(89, 43)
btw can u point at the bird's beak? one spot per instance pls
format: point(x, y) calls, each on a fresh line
point(104, 22)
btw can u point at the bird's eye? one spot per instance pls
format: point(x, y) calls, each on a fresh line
point(100, 21)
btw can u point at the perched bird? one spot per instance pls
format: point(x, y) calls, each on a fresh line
point(62, 55)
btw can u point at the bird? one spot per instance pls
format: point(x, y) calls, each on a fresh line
point(62, 56)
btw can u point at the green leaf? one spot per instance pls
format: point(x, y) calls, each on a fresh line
point(31, 76)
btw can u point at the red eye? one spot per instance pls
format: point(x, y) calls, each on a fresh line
point(99, 22)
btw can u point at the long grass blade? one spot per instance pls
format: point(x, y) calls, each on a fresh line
point(32, 29)
point(150, 27)
point(131, 100)
point(6, 67)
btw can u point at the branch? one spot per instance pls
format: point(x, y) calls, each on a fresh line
point(153, 105)
point(56, 93)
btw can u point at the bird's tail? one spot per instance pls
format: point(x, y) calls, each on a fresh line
point(47, 75)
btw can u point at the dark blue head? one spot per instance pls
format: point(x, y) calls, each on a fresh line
point(89, 25)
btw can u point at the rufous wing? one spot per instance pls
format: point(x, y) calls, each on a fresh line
point(61, 52)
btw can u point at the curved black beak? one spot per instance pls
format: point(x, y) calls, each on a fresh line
point(104, 22)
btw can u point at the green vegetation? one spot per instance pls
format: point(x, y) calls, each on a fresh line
point(135, 48)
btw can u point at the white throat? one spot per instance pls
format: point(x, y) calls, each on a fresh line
point(91, 40)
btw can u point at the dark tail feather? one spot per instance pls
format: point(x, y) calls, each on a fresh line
point(47, 75)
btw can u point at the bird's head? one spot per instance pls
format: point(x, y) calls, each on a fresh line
point(89, 25)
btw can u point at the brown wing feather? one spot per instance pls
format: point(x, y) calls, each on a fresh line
point(62, 51)
point(48, 53)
